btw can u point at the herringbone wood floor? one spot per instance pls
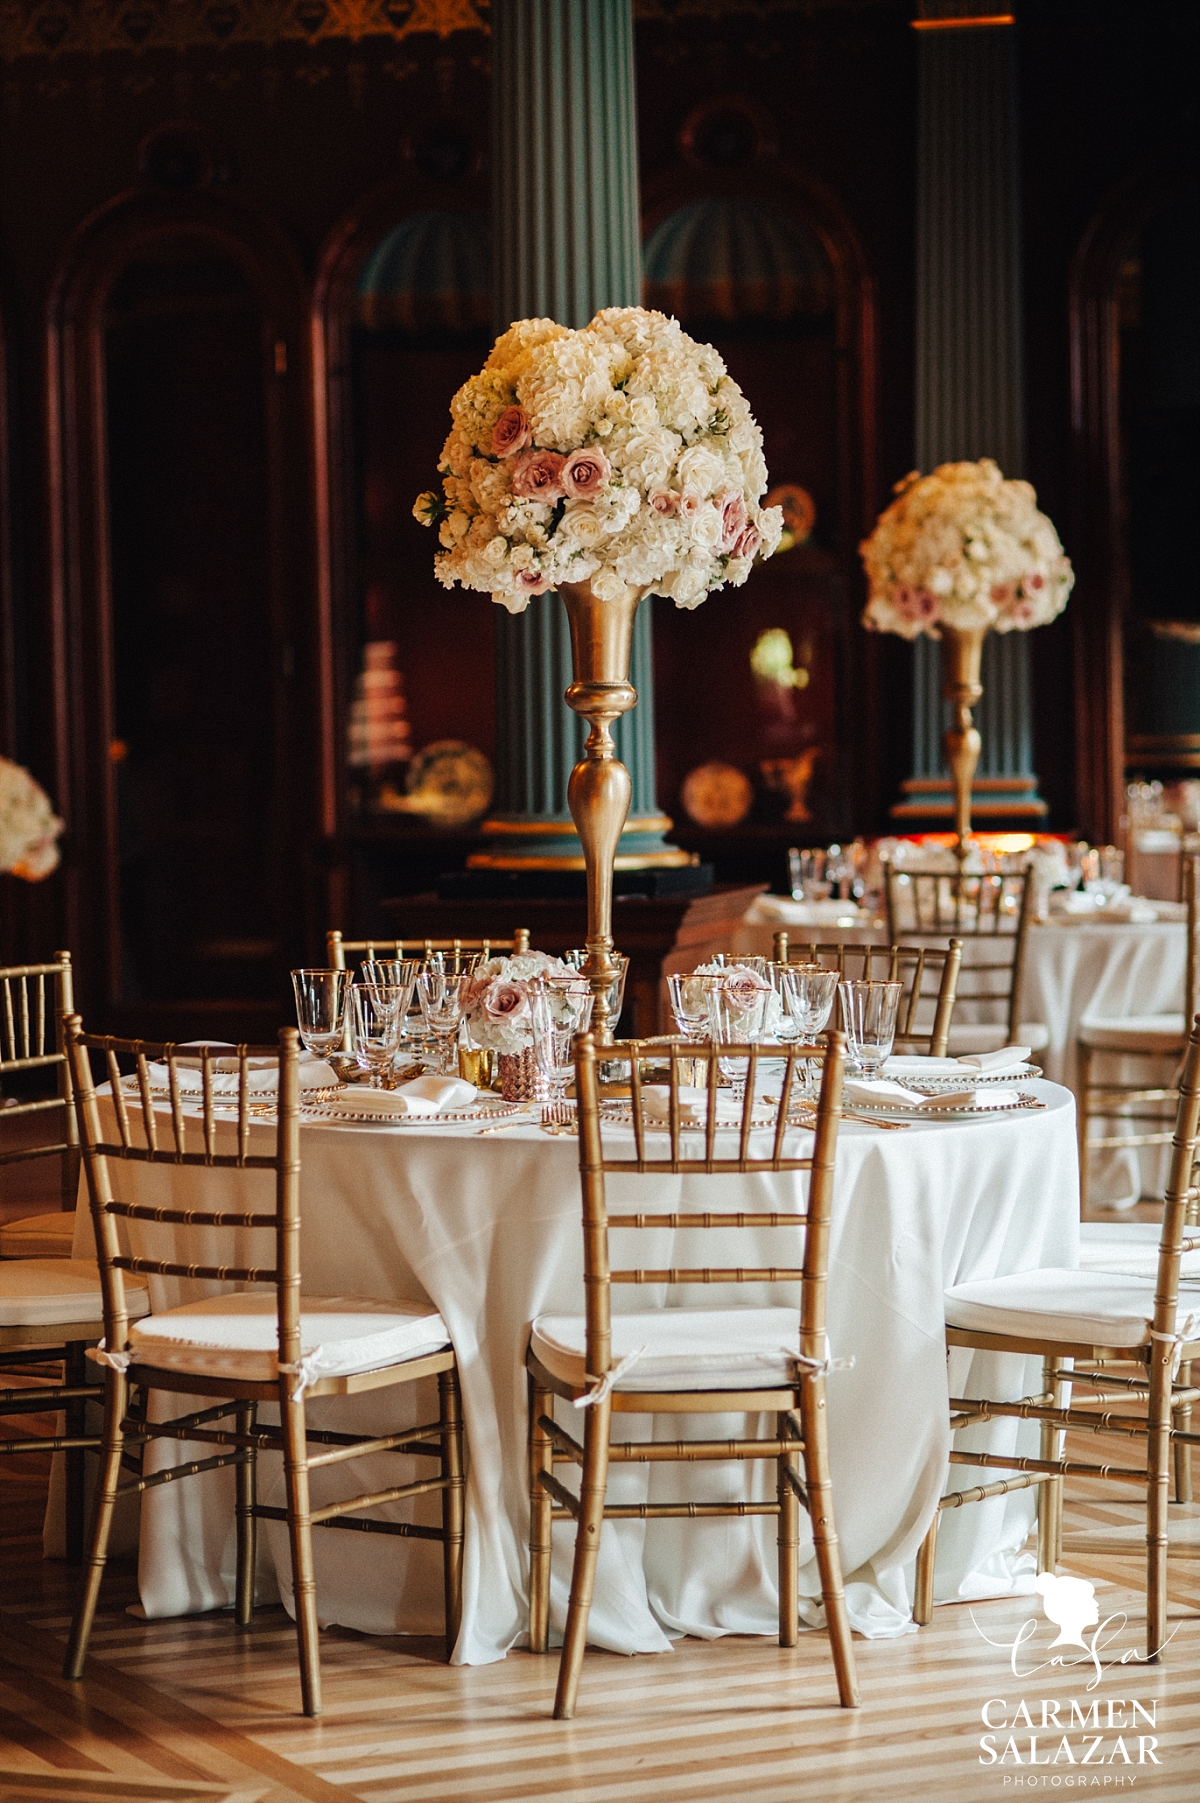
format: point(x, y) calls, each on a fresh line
point(183, 1710)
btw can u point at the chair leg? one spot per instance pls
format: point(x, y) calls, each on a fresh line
point(75, 1423)
point(1050, 1494)
point(116, 1390)
point(923, 1579)
point(825, 1541)
point(541, 1458)
point(304, 1585)
point(1083, 1115)
point(788, 1539)
point(1182, 1419)
point(450, 1416)
point(247, 1526)
point(1158, 1469)
point(592, 1492)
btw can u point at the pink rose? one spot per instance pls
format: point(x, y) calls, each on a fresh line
point(748, 542)
point(1003, 594)
point(510, 432)
point(663, 500)
point(915, 603)
point(689, 504)
point(733, 518)
point(585, 474)
point(1035, 582)
point(537, 476)
point(532, 582)
point(744, 989)
point(503, 1001)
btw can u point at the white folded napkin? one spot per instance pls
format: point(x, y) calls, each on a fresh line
point(262, 1074)
point(881, 1092)
point(423, 1096)
point(1001, 1060)
point(693, 1105)
point(913, 1065)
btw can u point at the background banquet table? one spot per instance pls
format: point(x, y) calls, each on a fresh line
point(1075, 968)
point(489, 1230)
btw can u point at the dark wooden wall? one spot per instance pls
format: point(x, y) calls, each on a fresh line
point(301, 145)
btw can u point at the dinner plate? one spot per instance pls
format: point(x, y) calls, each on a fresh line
point(378, 1117)
point(942, 1081)
point(897, 1110)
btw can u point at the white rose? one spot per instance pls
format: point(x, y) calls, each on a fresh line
point(699, 469)
point(705, 529)
point(580, 525)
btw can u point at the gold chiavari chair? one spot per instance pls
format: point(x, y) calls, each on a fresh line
point(274, 1346)
point(1090, 1328)
point(926, 1012)
point(1147, 1037)
point(743, 1360)
point(50, 1304)
point(991, 915)
point(455, 951)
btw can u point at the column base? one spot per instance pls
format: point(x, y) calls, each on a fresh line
point(518, 844)
point(993, 798)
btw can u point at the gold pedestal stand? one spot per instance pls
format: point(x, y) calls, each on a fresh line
point(962, 651)
point(599, 790)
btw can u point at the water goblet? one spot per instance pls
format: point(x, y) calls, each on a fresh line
point(689, 1005)
point(869, 1012)
point(375, 1013)
point(321, 1008)
point(561, 1008)
point(807, 992)
point(393, 973)
point(442, 996)
point(576, 958)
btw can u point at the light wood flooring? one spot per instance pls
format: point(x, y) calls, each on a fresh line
point(192, 1709)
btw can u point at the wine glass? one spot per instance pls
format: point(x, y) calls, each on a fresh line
point(576, 958)
point(689, 1005)
point(442, 996)
point(393, 973)
point(561, 1008)
point(375, 1012)
point(321, 1008)
point(807, 992)
point(869, 1011)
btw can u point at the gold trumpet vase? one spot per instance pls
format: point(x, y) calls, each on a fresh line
point(962, 651)
point(599, 790)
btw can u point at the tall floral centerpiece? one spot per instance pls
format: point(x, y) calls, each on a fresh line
point(609, 463)
point(958, 554)
point(29, 827)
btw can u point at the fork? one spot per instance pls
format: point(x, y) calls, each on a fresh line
point(558, 1117)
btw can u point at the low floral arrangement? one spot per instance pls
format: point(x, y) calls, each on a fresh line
point(497, 1011)
point(964, 548)
point(622, 454)
point(29, 826)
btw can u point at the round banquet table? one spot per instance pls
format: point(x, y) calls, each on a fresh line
point(488, 1229)
point(1076, 967)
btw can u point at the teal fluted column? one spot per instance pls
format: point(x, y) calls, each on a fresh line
point(565, 243)
point(969, 372)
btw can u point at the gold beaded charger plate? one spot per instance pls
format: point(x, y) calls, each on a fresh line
point(383, 1117)
point(947, 1084)
point(1024, 1104)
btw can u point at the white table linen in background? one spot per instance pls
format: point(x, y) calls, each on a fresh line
point(488, 1230)
point(1074, 970)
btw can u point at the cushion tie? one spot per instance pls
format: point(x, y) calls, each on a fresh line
point(1184, 1331)
point(818, 1367)
point(308, 1371)
point(116, 1361)
point(601, 1388)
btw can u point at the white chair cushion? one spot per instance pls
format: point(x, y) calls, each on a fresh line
point(1165, 1033)
point(38, 1236)
point(1130, 1247)
point(238, 1336)
point(56, 1292)
point(686, 1349)
point(989, 1037)
point(1104, 1308)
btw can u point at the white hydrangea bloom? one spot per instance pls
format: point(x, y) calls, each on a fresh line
point(607, 454)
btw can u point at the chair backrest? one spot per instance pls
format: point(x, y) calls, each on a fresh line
point(457, 952)
point(1190, 882)
point(1179, 1213)
point(169, 1110)
point(989, 913)
point(715, 1149)
point(35, 999)
point(930, 976)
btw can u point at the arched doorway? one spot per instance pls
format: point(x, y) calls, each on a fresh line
point(179, 570)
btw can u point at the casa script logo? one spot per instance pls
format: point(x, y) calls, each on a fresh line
point(1084, 1741)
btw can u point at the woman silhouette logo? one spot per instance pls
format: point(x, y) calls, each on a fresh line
point(1070, 1603)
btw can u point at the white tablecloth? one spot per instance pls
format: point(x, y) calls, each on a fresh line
point(1074, 969)
point(489, 1230)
